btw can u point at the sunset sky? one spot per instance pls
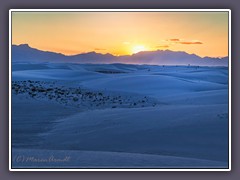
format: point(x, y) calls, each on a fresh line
point(123, 33)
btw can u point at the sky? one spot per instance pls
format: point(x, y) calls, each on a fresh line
point(123, 33)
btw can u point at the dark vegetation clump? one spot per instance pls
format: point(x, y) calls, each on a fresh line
point(75, 96)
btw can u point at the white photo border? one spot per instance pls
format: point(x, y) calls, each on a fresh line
point(120, 10)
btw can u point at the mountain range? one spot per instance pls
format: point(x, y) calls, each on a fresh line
point(25, 53)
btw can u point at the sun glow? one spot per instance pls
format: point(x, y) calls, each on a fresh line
point(138, 48)
point(123, 33)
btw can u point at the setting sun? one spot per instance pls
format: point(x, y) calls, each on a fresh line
point(138, 48)
point(123, 33)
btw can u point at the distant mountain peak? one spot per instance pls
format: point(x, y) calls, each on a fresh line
point(24, 45)
point(95, 53)
point(91, 52)
point(24, 52)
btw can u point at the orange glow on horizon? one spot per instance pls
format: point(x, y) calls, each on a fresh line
point(123, 33)
point(138, 48)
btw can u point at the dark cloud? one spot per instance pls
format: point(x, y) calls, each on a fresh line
point(174, 40)
point(99, 49)
point(186, 42)
point(181, 41)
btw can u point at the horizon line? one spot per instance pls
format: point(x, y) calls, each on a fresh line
point(26, 44)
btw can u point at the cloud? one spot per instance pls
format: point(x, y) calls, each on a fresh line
point(162, 46)
point(182, 41)
point(190, 42)
point(99, 49)
point(174, 40)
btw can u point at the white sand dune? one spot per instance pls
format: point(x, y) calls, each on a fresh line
point(25, 158)
point(146, 116)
